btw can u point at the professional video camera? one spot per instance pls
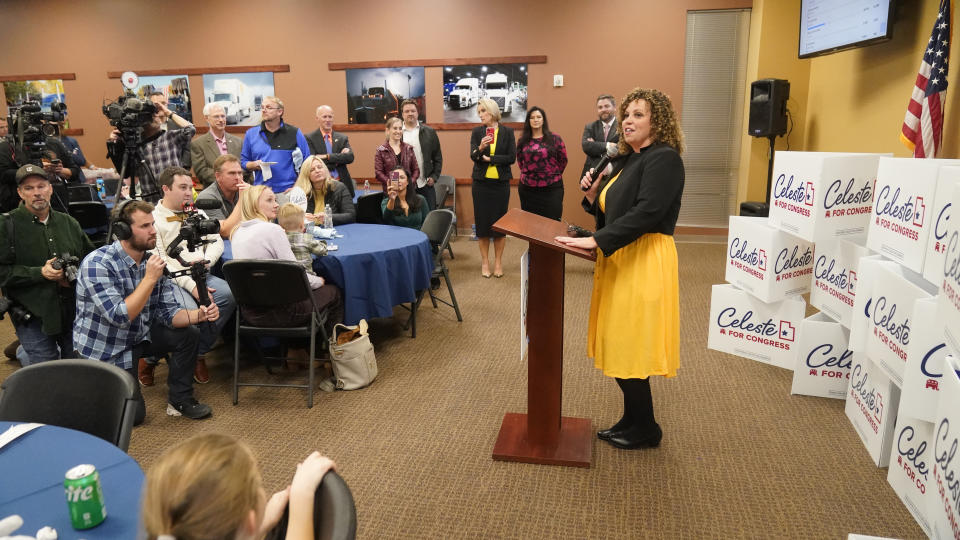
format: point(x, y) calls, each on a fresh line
point(70, 265)
point(129, 114)
point(17, 312)
point(30, 126)
point(192, 230)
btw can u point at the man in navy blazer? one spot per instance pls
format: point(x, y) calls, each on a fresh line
point(600, 137)
point(333, 147)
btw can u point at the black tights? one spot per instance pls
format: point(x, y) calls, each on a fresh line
point(637, 405)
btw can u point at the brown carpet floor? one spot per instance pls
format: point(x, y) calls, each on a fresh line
point(740, 458)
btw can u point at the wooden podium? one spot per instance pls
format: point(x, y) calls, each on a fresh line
point(543, 436)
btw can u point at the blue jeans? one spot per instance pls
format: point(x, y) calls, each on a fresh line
point(225, 302)
point(40, 347)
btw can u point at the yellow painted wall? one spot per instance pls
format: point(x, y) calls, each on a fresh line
point(858, 98)
point(850, 101)
point(774, 30)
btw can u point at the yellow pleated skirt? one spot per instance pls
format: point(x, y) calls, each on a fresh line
point(634, 327)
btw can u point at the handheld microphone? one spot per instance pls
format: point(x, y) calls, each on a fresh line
point(207, 204)
point(604, 161)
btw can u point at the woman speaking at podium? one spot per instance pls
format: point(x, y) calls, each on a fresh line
point(635, 308)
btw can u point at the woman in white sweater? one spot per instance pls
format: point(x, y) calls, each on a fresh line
point(256, 237)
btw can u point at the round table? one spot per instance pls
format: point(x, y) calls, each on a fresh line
point(32, 468)
point(377, 267)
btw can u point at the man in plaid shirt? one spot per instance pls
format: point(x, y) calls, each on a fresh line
point(126, 309)
point(160, 148)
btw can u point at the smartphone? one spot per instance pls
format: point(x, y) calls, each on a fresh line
point(490, 132)
point(395, 179)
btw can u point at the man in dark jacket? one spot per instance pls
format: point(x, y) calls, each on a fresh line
point(333, 147)
point(34, 238)
point(600, 137)
point(426, 146)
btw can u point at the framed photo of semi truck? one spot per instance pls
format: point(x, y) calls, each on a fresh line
point(464, 86)
point(240, 94)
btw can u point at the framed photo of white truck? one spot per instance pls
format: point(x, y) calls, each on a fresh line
point(464, 86)
point(240, 94)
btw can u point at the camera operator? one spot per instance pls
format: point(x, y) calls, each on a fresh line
point(14, 154)
point(177, 186)
point(127, 309)
point(160, 148)
point(35, 242)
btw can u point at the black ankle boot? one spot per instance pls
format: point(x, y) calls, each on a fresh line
point(637, 438)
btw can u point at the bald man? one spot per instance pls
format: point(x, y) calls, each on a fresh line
point(332, 146)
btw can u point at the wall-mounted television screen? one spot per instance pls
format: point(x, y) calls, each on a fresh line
point(828, 26)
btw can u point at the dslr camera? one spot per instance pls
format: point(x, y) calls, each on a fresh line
point(18, 313)
point(70, 265)
point(194, 227)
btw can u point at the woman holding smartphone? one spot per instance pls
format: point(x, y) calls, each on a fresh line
point(394, 153)
point(634, 329)
point(493, 149)
point(542, 157)
point(402, 206)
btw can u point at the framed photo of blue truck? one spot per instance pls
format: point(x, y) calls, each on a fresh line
point(240, 94)
point(375, 94)
point(176, 88)
point(506, 84)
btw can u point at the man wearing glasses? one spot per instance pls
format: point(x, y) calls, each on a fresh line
point(274, 150)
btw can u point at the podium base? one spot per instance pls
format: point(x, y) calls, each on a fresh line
point(573, 448)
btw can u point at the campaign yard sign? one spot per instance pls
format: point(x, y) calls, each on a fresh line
point(820, 195)
point(835, 276)
point(741, 324)
point(872, 402)
point(903, 202)
point(945, 504)
point(823, 360)
point(766, 262)
point(868, 269)
point(890, 313)
point(942, 211)
point(948, 306)
point(910, 464)
point(923, 374)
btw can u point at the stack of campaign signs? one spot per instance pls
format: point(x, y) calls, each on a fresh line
point(871, 238)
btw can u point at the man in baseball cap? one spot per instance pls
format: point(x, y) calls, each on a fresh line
point(34, 241)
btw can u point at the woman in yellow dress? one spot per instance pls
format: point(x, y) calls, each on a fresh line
point(634, 327)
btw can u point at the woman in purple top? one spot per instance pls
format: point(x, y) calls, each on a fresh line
point(542, 157)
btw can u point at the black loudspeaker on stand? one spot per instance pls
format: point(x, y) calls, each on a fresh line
point(768, 118)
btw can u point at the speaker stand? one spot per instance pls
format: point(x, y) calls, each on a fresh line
point(772, 139)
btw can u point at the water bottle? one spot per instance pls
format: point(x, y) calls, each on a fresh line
point(366, 187)
point(327, 217)
point(101, 191)
point(473, 231)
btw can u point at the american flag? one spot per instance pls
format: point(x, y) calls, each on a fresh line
point(922, 129)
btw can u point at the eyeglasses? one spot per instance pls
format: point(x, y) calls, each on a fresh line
point(269, 108)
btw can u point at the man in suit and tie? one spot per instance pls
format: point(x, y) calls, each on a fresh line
point(205, 149)
point(600, 137)
point(333, 147)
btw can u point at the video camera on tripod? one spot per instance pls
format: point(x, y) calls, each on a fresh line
point(129, 114)
point(192, 230)
point(30, 126)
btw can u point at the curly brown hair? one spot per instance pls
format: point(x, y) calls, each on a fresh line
point(663, 119)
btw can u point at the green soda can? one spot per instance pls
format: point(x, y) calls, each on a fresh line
point(84, 497)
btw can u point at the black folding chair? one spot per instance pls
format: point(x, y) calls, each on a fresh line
point(368, 208)
point(334, 512)
point(449, 184)
point(83, 192)
point(438, 227)
point(93, 218)
point(86, 395)
point(272, 284)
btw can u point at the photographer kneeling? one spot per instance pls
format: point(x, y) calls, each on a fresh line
point(39, 254)
point(194, 230)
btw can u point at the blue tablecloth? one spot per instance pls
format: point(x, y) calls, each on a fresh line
point(31, 482)
point(377, 267)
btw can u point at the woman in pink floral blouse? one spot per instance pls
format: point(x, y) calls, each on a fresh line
point(542, 157)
